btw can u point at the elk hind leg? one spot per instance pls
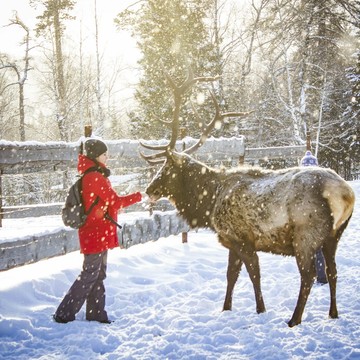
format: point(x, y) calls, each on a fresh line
point(331, 272)
point(307, 269)
point(233, 270)
point(329, 250)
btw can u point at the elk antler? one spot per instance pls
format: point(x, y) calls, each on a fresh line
point(218, 117)
point(178, 92)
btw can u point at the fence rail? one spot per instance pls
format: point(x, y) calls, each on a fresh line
point(23, 157)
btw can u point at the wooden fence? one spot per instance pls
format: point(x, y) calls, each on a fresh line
point(35, 157)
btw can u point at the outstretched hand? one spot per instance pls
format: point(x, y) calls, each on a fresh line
point(146, 203)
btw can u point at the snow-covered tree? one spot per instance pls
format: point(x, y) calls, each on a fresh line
point(52, 24)
point(20, 71)
point(172, 35)
point(343, 150)
point(8, 108)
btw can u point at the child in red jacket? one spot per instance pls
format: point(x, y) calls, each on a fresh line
point(96, 236)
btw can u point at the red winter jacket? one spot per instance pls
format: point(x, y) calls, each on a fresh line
point(99, 234)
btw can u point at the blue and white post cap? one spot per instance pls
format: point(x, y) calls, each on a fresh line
point(309, 159)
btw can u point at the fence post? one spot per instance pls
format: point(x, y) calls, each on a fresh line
point(183, 131)
point(1, 207)
point(88, 130)
point(308, 141)
point(87, 133)
point(184, 237)
point(241, 160)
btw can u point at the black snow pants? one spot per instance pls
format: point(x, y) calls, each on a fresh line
point(89, 287)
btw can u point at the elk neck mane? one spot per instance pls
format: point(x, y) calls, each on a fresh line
point(201, 185)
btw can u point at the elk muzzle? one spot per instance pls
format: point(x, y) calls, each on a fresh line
point(153, 193)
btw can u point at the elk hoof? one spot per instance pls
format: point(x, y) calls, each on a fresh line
point(227, 305)
point(293, 323)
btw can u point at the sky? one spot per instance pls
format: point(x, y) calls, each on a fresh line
point(166, 298)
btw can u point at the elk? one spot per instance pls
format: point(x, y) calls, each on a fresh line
point(290, 212)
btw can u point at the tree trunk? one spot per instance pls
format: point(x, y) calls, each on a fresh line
point(61, 116)
point(22, 112)
point(100, 111)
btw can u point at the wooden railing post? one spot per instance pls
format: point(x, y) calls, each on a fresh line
point(308, 141)
point(87, 133)
point(184, 237)
point(88, 130)
point(183, 132)
point(241, 160)
point(1, 202)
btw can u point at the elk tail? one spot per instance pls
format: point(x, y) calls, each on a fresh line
point(341, 199)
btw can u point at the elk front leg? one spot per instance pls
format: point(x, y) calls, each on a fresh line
point(233, 270)
point(251, 261)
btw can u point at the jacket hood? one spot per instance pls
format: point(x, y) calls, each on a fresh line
point(85, 163)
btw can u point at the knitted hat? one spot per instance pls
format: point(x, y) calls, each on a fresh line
point(309, 159)
point(95, 148)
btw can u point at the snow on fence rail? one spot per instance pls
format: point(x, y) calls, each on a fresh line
point(23, 157)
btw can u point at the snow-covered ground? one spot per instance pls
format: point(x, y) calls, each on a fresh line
point(166, 299)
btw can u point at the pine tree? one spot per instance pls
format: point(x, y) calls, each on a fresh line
point(172, 36)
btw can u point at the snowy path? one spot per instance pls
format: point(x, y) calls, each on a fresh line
point(166, 298)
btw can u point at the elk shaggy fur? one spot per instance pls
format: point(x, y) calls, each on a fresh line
point(292, 212)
